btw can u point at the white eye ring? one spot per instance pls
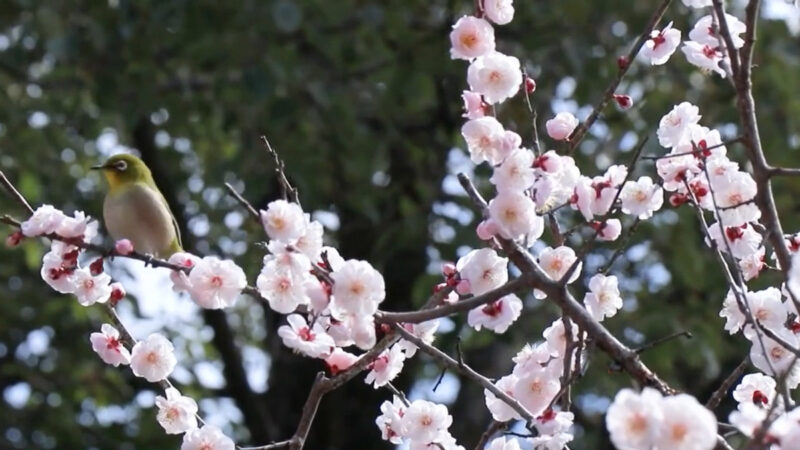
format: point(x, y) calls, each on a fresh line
point(121, 166)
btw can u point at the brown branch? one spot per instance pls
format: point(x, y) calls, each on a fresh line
point(579, 133)
point(722, 390)
point(242, 201)
point(287, 190)
point(491, 430)
point(14, 192)
point(784, 171)
point(445, 360)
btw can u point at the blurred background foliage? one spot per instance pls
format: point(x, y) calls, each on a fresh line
point(362, 101)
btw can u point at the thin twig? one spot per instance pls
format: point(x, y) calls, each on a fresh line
point(722, 390)
point(242, 201)
point(287, 190)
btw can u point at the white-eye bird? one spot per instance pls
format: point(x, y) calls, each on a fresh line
point(135, 209)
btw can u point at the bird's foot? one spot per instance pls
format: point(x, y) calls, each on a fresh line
point(148, 259)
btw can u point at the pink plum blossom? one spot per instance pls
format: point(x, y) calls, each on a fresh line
point(216, 283)
point(471, 37)
point(153, 359)
point(561, 126)
point(176, 412)
point(495, 76)
point(108, 346)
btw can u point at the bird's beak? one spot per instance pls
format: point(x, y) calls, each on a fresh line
point(98, 167)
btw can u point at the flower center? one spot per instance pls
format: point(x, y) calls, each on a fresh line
point(679, 431)
point(306, 334)
point(152, 358)
point(638, 423)
point(426, 420)
point(216, 281)
point(469, 40)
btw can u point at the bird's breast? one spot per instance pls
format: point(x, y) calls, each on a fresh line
point(138, 213)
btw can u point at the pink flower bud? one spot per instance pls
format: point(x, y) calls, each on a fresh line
point(463, 287)
point(486, 230)
point(448, 269)
point(14, 239)
point(622, 62)
point(124, 247)
point(339, 361)
point(623, 101)
point(473, 105)
point(530, 85)
point(117, 293)
point(608, 230)
point(561, 126)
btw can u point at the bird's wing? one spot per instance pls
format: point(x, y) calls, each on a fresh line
point(174, 222)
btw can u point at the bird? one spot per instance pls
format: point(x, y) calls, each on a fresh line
point(135, 209)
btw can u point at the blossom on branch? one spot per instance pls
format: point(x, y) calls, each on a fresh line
point(471, 37)
point(176, 413)
point(216, 283)
point(495, 76)
point(153, 359)
point(313, 342)
point(661, 45)
point(500, 12)
point(108, 346)
point(207, 438)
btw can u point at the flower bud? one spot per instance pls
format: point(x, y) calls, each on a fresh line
point(14, 239)
point(124, 247)
point(117, 294)
point(622, 62)
point(96, 267)
point(463, 287)
point(530, 85)
point(623, 101)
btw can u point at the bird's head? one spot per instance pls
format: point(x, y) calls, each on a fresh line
point(123, 169)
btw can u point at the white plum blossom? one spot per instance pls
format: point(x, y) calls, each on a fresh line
point(793, 276)
point(531, 357)
point(425, 421)
point(283, 288)
point(390, 422)
point(686, 424)
point(756, 388)
point(676, 125)
point(604, 299)
point(339, 361)
point(641, 198)
point(752, 265)
point(742, 240)
point(215, 283)
point(310, 242)
point(500, 12)
point(78, 226)
point(45, 220)
point(556, 337)
point(176, 412)
point(358, 289)
point(207, 438)
point(561, 126)
point(497, 315)
point(500, 410)
point(59, 266)
point(661, 45)
point(313, 342)
point(385, 367)
point(553, 428)
point(180, 279)
point(733, 315)
point(153, 358)
point(108, 346)
point(283, 221)
point(704, 31)
point(732, 193)
point(535, 389)
point(514, 214)
point(502, 444)
point(471, 37)
point(484, 269)
point(747, 418)
point(426, 331)
point(495, 76)
point(775, 356)
point(608, 230)
point(706, 57)
point(484, 137)
point(634, 419)
point(767, 308)
point(697, 3)
point(473, 105)
point(516, 173)
point(91, 289)
point(556, 262)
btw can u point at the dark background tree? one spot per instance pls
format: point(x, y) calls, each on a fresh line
point(363, 103)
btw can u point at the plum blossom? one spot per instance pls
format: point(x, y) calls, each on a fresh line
point(752, 265)
point(633, 420)
point(339, 361)
point(426, 331)
point(608, 230)
point(390, 422)
point(123, 247)
point(497, 315)
point(471, 37)
point(775, 356)
point(661, 45)
point(514, 214)
point(686, 424)
point(756, 388)
point(556, 337)
point(176, 413)
point(386, 367)
point(215, 283)
point(704, 31)
point(108, 346)
point(747, 418)
point(45, 220)
point(697, 3)
point(500, 12)
point(502, 444)
point(742, 240)
point(207, 438)
point(484, 137)
point(641, 198)
point(358, 289)
point(283, 221)
point(557, 261)
point(180, 280)
point(425, 421)
point(676, 125)
point(500, 410)
point(91, 289)
point(561, 126)
point(473, 105)
point(732, 193)
point(58, 268)
point(516, 173)
point(284, 289)
point(313, 342)
point(153, 358)
point(483, 269)
point(310, 242)
point(706, 57)
point(78, 226)
point(495, 76)
point(535, 389)
point(604, 299)
point(553, 428)
point(767, 308)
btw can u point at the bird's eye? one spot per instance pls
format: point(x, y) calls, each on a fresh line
point(121, 166)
